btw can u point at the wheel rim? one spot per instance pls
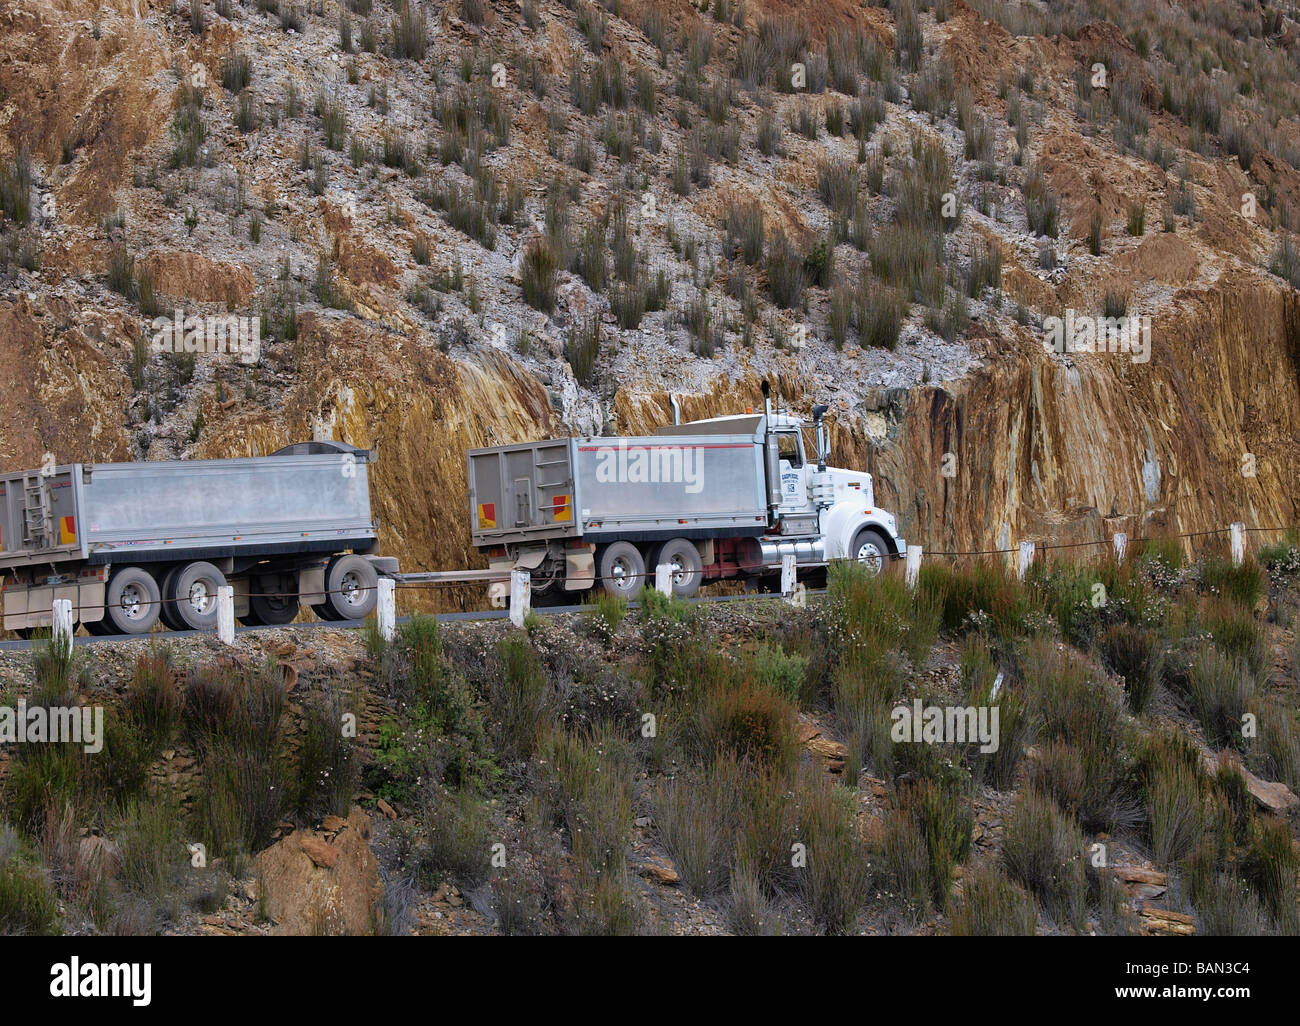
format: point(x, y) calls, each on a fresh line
point(131, 601)
point(201, 597)
point(869, 555)
point(350, 587)
point(621, 572)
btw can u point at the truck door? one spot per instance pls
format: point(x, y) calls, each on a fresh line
point(794, 490)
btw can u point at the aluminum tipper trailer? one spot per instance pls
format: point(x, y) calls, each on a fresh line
point(130, 543)
point(725, 497)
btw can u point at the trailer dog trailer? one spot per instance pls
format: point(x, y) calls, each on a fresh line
point(129, 543)
point(725, 497)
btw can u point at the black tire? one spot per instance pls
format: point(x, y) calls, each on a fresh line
point(265, 610)
point(132, 602)
point(352, 586)
point(622, 570)
point(871, 550)
point(98, 628)
point(193, 595)
point(326, 612)
point(168, 613)
point(688, 568)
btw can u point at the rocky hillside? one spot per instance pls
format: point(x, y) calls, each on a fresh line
point(676, 769)
point(474, 222)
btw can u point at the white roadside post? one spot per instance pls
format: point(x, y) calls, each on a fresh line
point(520, 596)
point(226, 614)
point(1121, 545)
point(61, 625)
point(386, 610)
point(664, 579)
point(1238, 530)
point(1026, 559)
point(912, 569)
point(793, 591)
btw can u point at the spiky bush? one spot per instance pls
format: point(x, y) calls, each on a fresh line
point(1270, 867)
point(1219, 692)
point(1135, 654)
point(785, 272)
point(28, 907)
point(521, 697)
point(329, 766)
point(834, 883)
point(743, 223)
point(1082, 761)
point(153, 697)
point(943, 817)
point(992, 906)
point(1045, 852)
point(540, 265)
point(410, 32)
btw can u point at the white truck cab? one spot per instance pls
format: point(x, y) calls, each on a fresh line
point(843, 501)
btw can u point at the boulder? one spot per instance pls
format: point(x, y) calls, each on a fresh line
point(314, 886)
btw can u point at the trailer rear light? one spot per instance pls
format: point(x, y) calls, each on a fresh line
point(497, 553)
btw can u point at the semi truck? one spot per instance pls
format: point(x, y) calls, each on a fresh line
point(727, 497)
point(132, 543)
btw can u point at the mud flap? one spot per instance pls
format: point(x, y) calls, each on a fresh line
point(311, 585)
point(579, 569)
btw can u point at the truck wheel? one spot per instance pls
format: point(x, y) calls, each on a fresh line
point(622, 570)
point(132, 602)
point(193, 593)
point(688, 569)
point(168, 611)
point(266, 609)
point(871, 550)
point(352, 584)
point(270, 612)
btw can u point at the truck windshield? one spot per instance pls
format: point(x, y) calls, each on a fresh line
point(787, 446)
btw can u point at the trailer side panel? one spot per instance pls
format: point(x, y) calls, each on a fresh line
point(179, 509)
point(689, 485)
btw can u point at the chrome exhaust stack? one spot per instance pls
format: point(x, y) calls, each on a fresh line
point(818, 413)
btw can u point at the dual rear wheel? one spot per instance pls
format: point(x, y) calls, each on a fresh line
point(185, 599)
point(625, 570)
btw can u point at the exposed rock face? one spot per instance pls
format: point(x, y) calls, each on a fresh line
point(1060, 449)
point(322, 883)
point(1074, 450)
